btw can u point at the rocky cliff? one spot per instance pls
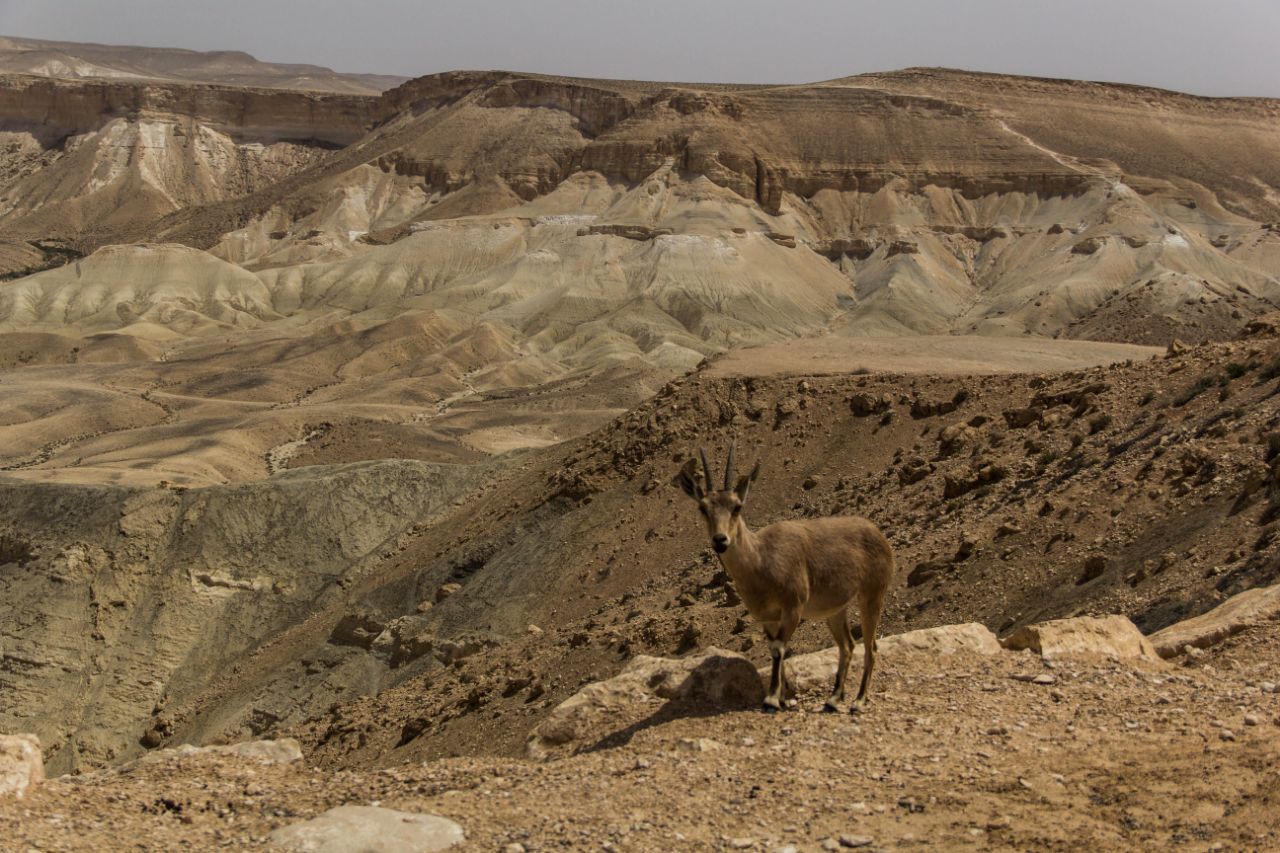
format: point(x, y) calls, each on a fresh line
point(95, 161)
point(52, 109)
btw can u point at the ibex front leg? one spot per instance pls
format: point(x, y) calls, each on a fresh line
point(779, 634)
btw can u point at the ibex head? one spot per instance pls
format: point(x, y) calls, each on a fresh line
point(722, 509)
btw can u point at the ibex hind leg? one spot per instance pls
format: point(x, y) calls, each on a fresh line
point(871, 607)
point(838, 624)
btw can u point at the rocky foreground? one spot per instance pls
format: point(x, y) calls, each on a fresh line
point(1085, 737)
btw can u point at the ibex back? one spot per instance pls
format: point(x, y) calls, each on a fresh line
point(794, 570)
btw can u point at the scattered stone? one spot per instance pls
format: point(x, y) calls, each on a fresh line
point(955, 437)
point(912, 805)
point(1043, 678)
point(369, 829)
point(855, 841)
point(1088, 245)
point(864, 405)
point(1022, 418)
point(927, 571)
point(922, 408)
point(913, 471)
point(1227, 734)
point(1250, 719)
point(699, 744)
point(1266, 324)
point(357, 629)
point(447, 589)
point(21, 764)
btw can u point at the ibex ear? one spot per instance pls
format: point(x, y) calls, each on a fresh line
point(745, 481)
point(688, 480)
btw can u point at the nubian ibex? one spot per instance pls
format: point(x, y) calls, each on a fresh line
point(794, 570)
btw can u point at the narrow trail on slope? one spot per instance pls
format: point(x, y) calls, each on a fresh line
point(1067, 161)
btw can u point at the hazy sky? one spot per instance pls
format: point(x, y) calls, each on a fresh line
point(1223, 48)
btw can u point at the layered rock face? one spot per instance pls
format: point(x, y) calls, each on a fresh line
point(951, 202)
point(760, 142)
point(51, 109)
point(94, 161)
point(945, 202)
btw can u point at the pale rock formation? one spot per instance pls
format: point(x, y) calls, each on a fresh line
point(1232, 616)
point(713, 677)
point(21, 764)
point(1111, 636)
point(369, 829)
point(817, 670)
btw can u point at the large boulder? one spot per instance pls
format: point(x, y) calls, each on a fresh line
point(1230, 617)
point(712, 678)
point(369, 829)
point(21, 764)
point(1111, 636)
point(817, 670)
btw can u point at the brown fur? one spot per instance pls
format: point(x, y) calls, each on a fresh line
point(795, 570)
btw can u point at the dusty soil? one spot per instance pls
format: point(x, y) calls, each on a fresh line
point(953, 753)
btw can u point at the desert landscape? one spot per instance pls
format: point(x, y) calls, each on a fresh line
point(341, 411)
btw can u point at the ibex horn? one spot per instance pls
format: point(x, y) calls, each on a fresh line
point(706, 470)
point(728, 468)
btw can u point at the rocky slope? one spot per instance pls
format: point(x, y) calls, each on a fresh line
point(1140, 488)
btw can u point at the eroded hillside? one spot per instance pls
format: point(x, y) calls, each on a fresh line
point(1141, 488)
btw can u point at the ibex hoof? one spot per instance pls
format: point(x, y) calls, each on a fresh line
point(857, 707)
point(770, 707)
point(830, 707)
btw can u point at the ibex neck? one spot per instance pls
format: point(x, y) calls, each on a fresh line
point(743, 556)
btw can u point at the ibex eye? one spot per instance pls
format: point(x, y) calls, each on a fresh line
point(737, 509)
